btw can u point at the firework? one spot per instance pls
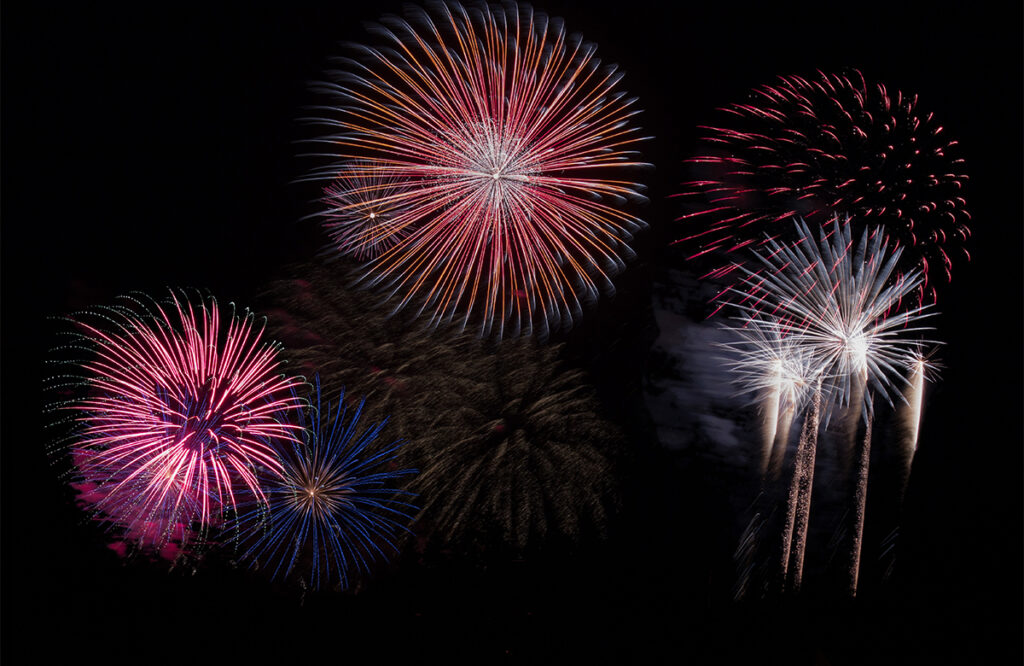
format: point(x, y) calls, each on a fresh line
point(341, 334)
point(335, 508)
point(826, 145)
point(365, 213)
point(504, 139)
point(835, 301)
point(512, 450)
point(838, 298)
point(786, 376)
point(178, 414)
point(780, 371)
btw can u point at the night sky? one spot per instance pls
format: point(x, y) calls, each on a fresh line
point(147, 147)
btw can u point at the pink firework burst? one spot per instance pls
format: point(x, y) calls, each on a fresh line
point(507, 140)
point(179, 415)
point(824, 146)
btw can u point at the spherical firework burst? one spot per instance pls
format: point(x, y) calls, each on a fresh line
point(505, 139)
point(365, 211)
point(178, 416)
point(335, 507)
point(831, 144)
point(511, 450)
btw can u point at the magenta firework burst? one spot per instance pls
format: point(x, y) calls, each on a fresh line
point(181, 408)
point(507, 142)
point(825, 145)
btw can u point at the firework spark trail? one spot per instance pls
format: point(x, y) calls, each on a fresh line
point(850, 420)
point(804, 484)
point(910, 419)
point(769, 429)
point(780, 442)
point(860, 500)
point(505, 136)
point(826, 145)
point(179, 414)
point(790, 519)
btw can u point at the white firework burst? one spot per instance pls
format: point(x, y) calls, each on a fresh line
point(839, 301)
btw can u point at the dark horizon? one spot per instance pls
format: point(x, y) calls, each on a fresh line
point(147, 148)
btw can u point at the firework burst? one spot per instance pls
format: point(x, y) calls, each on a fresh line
point(512, 449)
point(178, 415)
point(335, 508)
point(779, 371)
point(342, 335)
point(835, 301)
point(826, 145)
point(365, 211)
point(505, 138)
point(838, 298)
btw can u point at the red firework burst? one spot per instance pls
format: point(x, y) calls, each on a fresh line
point(505, 137)
point(829, 145)
point(177, 418)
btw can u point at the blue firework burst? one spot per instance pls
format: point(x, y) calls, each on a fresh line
point(337, 507)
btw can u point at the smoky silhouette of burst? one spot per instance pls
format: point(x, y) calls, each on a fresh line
point(509, 412)
point(511, 451)
point(341, 334)
point(176, 414)
point(335, 508)
point(825, 145)
point(505, 141)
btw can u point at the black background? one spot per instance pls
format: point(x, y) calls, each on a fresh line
point(147, 146)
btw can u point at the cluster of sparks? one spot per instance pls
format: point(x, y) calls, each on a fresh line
point(334, 508)
point(831, 144)
point(819, 329)
point(184, 425)
point(486, 143)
